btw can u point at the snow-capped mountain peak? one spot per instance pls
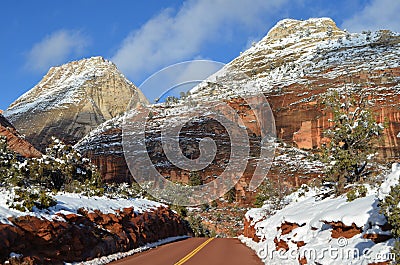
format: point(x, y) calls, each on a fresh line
point(73, 99)
point(310, 28)
point(61, 85)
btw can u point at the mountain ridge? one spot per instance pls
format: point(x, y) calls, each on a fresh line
point(293, 73)
point(71, 100)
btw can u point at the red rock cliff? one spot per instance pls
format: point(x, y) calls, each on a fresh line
point(15, 141)
point(293, 66)
point(86, 235)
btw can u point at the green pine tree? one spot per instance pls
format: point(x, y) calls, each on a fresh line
point(10, 167)
point(267, 191)
point(353, 136)
point(195, 179)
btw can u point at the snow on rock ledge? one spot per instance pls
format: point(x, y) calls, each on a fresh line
point(80, 228)
point(312, 225)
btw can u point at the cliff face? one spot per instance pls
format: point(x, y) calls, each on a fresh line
point(299, 61)
point(71, 100)
point(14, 140)
point(104, 147)
point(86, 235)
point(300, 120)
point(293, 66)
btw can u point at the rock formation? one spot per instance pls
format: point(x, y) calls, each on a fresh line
point(298, 61)
point(14, 140)
point(71, 100)
point(293, 66)
point(86, 235)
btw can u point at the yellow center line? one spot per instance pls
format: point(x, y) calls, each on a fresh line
point(191, 254)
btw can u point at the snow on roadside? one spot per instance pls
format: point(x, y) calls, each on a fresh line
point(391, 180)
point(71, 202)
point(312, 239)
point(121, 255)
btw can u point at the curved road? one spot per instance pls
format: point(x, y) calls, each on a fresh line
point(196, 251)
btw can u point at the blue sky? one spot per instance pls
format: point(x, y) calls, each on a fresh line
point(142, 37)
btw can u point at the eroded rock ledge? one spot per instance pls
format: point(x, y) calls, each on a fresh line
point(86, 235)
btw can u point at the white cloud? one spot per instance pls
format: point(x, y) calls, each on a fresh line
point(379, 14)
point(54, 49)
point(172, 36)
point(178, 77)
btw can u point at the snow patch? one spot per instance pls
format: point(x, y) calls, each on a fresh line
point(313, 214)
point(69, 203)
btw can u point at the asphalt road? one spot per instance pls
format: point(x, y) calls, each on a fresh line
point(196, 251)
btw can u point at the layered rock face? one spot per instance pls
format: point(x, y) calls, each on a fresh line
point(14, 140)
point(299, 61)
point(104, 147)
point(293, 66)
point(71, 100)
point(86, 235)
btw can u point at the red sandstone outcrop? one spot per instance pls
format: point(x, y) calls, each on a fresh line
point(303, 261)
point(287, 227)
point(341, 230)
point(14, 140)
point(249, 230)
point(293, 66)
point(377, 238)
point(86, 235)
point(281, 244)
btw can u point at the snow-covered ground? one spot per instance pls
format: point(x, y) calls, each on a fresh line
point(312, 214)
point(71, 202)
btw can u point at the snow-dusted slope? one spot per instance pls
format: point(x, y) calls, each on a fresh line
point(299, 61)
point(69, 203)
point(293, 66)
point(318, 229)
point(73, 99)
point(81, 228)
point(306, 52)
